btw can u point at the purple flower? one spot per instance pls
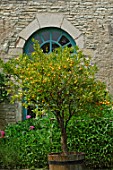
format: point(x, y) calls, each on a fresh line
point(28, 117)
point(2, 134)
point(31, 127)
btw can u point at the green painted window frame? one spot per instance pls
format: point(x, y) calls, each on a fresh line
point(51, 36)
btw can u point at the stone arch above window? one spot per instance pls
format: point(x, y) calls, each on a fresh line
point(44, 20)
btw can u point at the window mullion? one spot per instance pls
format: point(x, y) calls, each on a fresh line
point(50, 42)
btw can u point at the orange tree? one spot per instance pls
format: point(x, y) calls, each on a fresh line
point(62, 82)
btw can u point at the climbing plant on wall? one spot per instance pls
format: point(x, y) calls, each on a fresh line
point(3, 91)
point(3, 87)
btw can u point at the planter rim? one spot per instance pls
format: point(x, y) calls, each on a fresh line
point(62, 154)
point(61, 159)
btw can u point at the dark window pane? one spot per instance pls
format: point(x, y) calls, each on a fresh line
point(46, 48)
point(63, 40)
point(30, 111)
point(54, 45)
point(69, 45)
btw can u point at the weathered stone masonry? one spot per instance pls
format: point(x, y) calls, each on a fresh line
point(93, 18)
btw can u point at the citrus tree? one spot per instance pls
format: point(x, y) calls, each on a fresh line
point(62, 82)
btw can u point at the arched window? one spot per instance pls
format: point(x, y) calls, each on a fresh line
point(49, 39)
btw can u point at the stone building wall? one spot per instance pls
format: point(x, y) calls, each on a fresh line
point(93, 18)
point(7, 114)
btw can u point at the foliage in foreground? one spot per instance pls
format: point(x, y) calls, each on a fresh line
point(62, 82)
point(3, 88)
point(30, 147)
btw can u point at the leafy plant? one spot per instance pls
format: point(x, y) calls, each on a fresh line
point(89, 135)
point(94, 137)
point(62, 82)
point(30, 144)
point(3, 88)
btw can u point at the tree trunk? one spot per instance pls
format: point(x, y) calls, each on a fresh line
point(63, 139)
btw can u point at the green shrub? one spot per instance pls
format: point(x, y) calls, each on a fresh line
point(95, 138)
point(30, 147)
point(9, 155)
point(3, 88)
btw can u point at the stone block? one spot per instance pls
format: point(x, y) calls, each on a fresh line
point(29, 30)
point(69, 28)
point(50, 19)
point(80, 41)
point(20, 43)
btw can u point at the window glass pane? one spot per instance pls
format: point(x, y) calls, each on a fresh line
point(30, 111)
point(30, 49)
point(69, 45)
point(63, 40)
point(55, 35)
point(54, 45)
point(46, 35)
point(46, 48)
point(37, 37)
